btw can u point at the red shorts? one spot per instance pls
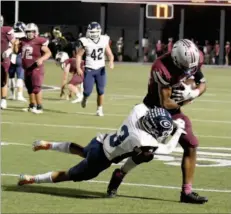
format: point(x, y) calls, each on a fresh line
point(34, 78)
point(188, 140)
point(76, 80)
point(5, 65)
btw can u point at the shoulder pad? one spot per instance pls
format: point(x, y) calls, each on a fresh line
point(83, 42)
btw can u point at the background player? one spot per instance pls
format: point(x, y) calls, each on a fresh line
point(167, 73)
point(94, 46)
point(16, 66)
point(7, 37)
point(136, 138)
point(75, 85)
point(34, 51)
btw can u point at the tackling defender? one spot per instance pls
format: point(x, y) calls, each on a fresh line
point(138, 138)
point(94, 45)
point(75, 85)
point(34, 51)
point(167, 74)
point(7, 37)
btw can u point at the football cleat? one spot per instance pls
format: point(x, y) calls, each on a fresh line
point(77, 100)
point(37, 111)
point(41, 145)
point(29, 109)
point(3, 104)
point(99, 113)
point(26, 179)
point(84, 102)
point(21, 98)
point(192, 198)
point(12, 97)
point(116, 180)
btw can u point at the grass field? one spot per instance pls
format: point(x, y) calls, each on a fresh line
point(150, 188)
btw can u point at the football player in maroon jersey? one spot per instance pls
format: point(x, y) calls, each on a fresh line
point(7, 38)
point(34, 51)
point(75, 85)
point(165, 90)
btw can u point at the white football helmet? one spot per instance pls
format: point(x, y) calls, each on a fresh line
point(186, 56)
point(93, 31)
point(31, 30)
point(2, 20)
point(61, 57)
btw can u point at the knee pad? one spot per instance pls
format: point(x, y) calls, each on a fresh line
point(36, 90)
point(100, 90)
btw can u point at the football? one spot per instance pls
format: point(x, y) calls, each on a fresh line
point(193, 85)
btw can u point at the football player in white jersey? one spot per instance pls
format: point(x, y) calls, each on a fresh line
point(16, 66)
point(139, 137)
point(94, 46)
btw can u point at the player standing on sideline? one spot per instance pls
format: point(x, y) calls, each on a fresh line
point(94, 45)
point(137, 138)
point(34, 51)
point(75, 85)
point(7, 37)
point(16, 66)
point(167, 74)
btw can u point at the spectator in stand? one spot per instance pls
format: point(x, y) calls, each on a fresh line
point(227, 52)
point(207, 52)
point(170, 44)
point(216, 52)
point(145, 45)
point(120, 48)
point(159, 48)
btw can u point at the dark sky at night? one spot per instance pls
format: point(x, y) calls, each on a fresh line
point(200, 22)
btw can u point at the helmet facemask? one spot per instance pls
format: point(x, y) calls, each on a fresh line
point(159, 126)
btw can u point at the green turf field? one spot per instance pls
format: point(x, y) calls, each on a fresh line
point(150, 188)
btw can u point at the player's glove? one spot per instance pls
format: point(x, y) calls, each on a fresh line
point(7, 53)
point(179, 124)
point(186, 94)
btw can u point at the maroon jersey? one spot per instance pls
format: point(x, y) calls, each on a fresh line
point(7, 34)
point(165, 73)
point(31, 50)
point(72, 62)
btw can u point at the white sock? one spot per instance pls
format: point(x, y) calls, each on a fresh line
point(43, 178)
point(19, 94)
point(100, 108)
point(60, 147)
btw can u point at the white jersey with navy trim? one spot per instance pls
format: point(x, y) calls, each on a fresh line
point(95, 51)
point(128, 136)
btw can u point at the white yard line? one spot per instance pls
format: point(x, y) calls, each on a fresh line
point(176, 150)
point(141, 185)
point(94, 127)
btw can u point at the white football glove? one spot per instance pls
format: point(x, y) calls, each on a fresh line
point(179, 124)
point(7, 53)
point(187, 94)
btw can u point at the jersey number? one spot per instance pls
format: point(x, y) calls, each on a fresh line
point(116, 140)
point(97, 55)
point(27, 53)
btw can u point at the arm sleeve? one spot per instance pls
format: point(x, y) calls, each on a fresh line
point(199, 77)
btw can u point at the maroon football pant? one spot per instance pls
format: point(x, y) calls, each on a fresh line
point(76, 80)
point(34, 79)
point(5, 64)
point(189, 139)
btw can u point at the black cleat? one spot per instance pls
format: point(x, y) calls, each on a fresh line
point(116, 180)
point(192, 198)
